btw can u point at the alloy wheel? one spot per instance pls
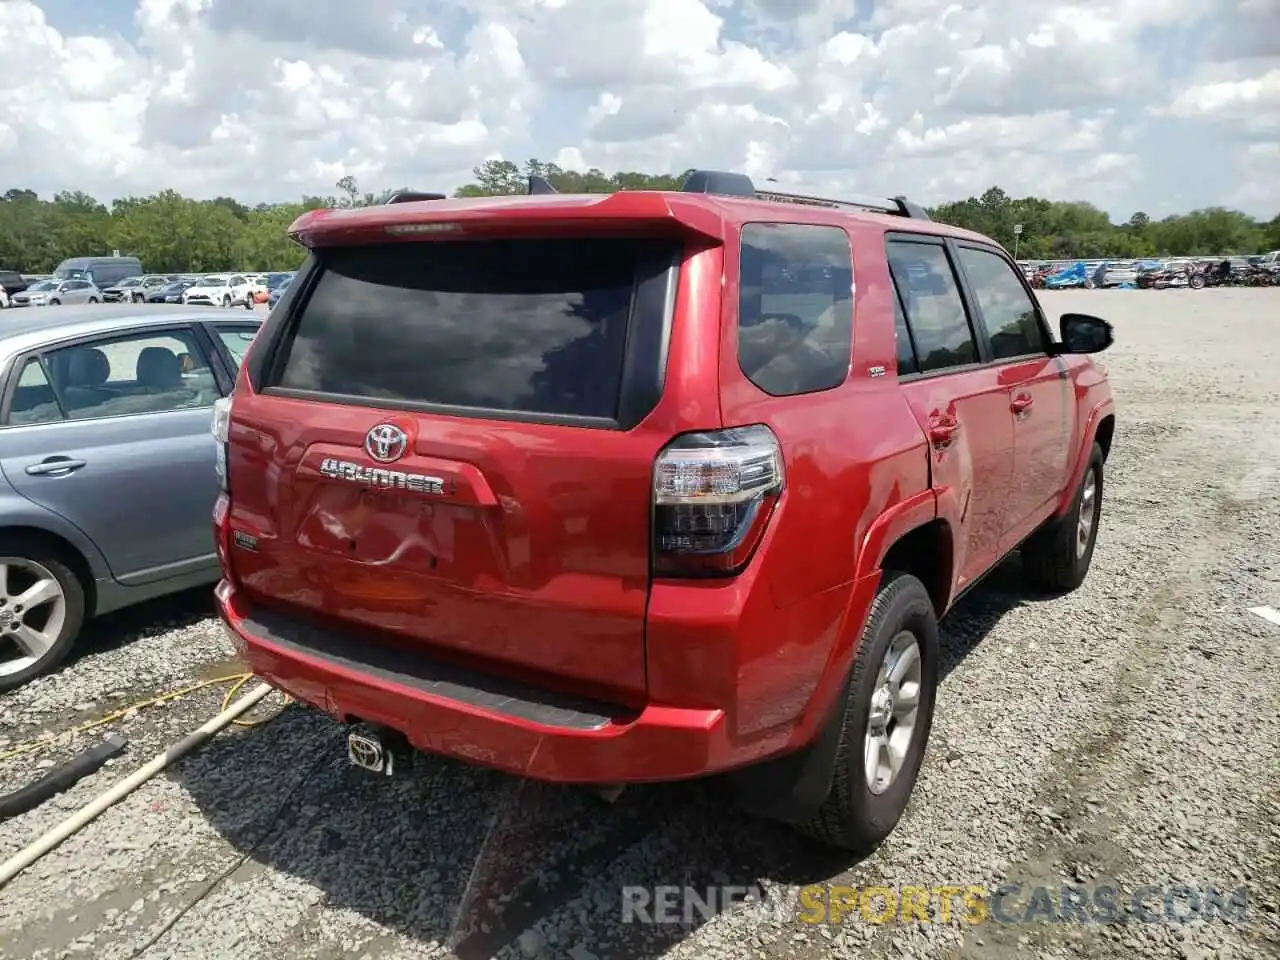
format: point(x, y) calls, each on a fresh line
point(33, 610)
point(1088, 512)
point(895, 707)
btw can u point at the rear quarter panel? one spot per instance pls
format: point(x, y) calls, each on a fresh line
point(855, 457)
point(19, 512)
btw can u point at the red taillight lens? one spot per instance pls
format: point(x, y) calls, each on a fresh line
point(713, 495)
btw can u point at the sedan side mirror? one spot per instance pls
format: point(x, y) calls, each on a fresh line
point(1082, 333)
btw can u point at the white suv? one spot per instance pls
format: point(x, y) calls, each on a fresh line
point(219, 290)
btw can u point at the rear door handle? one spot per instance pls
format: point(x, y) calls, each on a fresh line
point(942, 429)
point(55, 465)
point(1022, 403)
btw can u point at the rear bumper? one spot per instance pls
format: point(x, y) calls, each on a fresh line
point(475, 717)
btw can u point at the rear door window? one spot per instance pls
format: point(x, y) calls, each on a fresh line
point(795, 307)
point(1007, 309)
point(935, 309)
point(533, 326)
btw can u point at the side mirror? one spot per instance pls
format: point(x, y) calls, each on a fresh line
point(1082, 333)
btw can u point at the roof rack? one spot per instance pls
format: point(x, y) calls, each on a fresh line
point(726, 184)
point(413, 196)
point(740, 185)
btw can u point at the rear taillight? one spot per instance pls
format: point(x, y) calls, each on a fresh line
point(713, 494)
point(221, 432)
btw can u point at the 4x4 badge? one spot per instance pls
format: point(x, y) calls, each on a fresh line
point(386, 443)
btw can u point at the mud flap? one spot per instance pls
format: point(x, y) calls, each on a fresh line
point(792, 787)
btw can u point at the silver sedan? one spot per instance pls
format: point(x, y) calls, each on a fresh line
point(107, 465)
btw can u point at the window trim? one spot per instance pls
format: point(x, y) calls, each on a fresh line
point(641, 379)
point(981, 345)
point(1041, 320)
point(19, 361)
point(737, 306)
point(13, 377)
point(901, 308)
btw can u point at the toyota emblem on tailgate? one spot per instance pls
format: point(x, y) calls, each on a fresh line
point(386, 442)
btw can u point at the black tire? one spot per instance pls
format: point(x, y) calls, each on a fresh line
point(22, 548)
point(93, 299)
point(226, 302)
point(55, 302)
point(1196, 283)
point(1051, 559)
point(852, 817)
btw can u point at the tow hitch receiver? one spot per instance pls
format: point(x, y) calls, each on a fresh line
point(369, 749)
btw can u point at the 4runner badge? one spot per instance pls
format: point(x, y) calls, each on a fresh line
point(382, 478)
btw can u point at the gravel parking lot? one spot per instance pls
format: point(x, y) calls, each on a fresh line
point(1127, 733)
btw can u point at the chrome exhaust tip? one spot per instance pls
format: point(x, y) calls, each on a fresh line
point(374, 749)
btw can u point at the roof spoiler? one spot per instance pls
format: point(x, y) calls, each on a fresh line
point(413, 196)
point(725, 184)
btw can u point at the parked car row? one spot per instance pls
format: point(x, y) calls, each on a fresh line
point(1193, 272)
point(220, 289)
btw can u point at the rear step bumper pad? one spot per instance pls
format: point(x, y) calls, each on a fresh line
point(477, 717)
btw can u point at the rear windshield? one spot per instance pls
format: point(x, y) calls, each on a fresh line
point(518, 325)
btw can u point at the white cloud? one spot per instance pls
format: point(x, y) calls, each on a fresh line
point(1132, 104)
point(1251, 104)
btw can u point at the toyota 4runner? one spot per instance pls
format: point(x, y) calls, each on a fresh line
point(652, 485)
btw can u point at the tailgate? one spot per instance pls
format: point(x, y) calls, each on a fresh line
point(449, 454)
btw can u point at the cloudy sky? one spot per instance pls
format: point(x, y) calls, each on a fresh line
point(1158, 105)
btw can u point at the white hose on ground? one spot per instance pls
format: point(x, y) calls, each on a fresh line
point(82, 817)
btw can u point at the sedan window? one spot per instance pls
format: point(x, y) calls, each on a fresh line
point(33, 398)
point(237, 342)
point(136, 373)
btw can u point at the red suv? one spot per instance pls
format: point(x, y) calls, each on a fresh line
point(649, 486)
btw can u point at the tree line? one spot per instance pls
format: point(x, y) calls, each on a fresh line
point(172, 233)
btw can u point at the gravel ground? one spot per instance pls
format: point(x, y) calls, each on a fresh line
point(1128, 733)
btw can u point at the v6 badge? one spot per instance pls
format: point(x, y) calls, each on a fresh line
point(243, 540)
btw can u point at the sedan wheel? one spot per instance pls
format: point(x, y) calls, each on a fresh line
point(41, 609)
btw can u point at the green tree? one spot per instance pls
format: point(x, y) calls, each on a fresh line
point(350, 191)
point(170, 232)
